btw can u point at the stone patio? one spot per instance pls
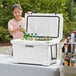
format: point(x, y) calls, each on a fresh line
point(6, 50)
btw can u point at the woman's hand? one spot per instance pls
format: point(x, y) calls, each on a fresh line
point(19, 29)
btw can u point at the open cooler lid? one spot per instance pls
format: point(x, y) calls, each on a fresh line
point(50, 25)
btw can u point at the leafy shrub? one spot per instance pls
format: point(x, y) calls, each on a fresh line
point(40, 6)
point(69, 26)
point(4, 35)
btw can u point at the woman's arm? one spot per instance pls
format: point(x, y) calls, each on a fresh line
point(13, 31)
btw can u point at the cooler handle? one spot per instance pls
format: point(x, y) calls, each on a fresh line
point(29, 46)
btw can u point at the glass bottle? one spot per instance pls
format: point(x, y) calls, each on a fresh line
point(72, 60)
point(66, 60)
point(36, 36)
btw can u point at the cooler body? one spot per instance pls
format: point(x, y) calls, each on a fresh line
point(42, 53)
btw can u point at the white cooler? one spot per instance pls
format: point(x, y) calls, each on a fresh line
point(39, 52)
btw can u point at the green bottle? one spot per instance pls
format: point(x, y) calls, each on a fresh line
point(23, 30)
point(31, 36)
point(35, 35)
point(28, 36)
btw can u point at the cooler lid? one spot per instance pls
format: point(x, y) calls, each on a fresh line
point(50, 25)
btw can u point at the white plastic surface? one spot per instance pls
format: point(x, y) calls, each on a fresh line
point(9, 68)
point(45, 24)
point(32, 42)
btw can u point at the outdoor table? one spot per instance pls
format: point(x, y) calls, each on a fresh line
point(9, 68)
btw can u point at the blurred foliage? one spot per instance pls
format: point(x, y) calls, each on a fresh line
point(4, 35)
point(39, 6)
